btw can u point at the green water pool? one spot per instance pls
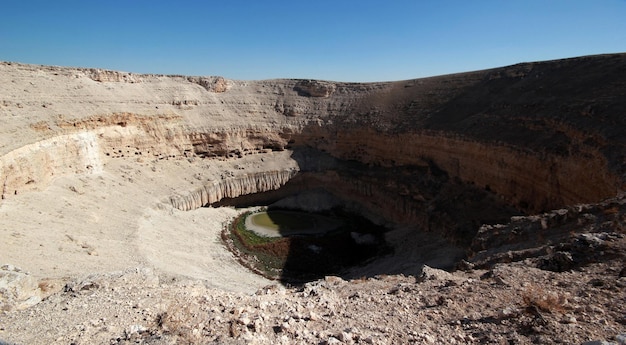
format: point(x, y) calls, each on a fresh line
point(289, 223)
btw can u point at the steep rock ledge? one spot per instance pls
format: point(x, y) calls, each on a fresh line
point(531, 133)
point(315, 88)
point(101, 75)
point(526, 179)
point(423, 197)
point(231, 188)
point(530, 180)
point(33, 166)
point(86, 147)
point(211, 84)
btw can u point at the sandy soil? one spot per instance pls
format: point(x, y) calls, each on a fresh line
point(119, 219)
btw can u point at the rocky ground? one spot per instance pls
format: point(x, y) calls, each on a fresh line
point(568, 288)
point(508, 304)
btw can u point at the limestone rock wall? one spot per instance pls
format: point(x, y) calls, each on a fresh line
point(34, 166)
point(315, 88)
point(231, 188)
point(533, 181)
point(101, 75)
point(128, 134)
point(89, 142)
point(211, 84)
point(532, 133)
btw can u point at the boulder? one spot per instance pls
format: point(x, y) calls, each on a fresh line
point(18, 289)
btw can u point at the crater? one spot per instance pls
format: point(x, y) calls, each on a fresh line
point(512, 175)
point(431, 164)
point(346, 218)
point(297, 246)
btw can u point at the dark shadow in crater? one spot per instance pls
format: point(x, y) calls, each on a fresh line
point(314, 256)
point(311, 242)
point(442, 216)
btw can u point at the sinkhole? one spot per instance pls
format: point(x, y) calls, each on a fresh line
point(346, 218)
point(294, 243)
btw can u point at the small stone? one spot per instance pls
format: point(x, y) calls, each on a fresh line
point(557, 262)
point(9, 267)
point(313, 316)
point(18, 290)
point(134, 331)
point(508, 312)
point(140, 328)
point(569, 319)
point(31, 301)
point(258, 325)
point(333, 340)
point(245, 320)
point(596, 309)
point(426, 338)
point(597, 282)
point(500, 281)
point(333, 280)
point(344, 336)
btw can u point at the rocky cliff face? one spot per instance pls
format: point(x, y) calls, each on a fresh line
point(532, 181)
point(231, 188)
point(531, 133)
point(33, 166)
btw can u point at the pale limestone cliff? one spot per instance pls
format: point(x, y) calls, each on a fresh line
point(101, 75)
point(34, 166)
point(518, 131)
point(232, 187)
point(534, 181)
point(211, 84)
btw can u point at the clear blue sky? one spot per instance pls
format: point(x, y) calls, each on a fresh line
point(344, 40)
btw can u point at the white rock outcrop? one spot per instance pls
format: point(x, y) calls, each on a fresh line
point(18, 289)
point(232, 188)
point(34, 165)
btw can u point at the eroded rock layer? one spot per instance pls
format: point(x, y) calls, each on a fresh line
point(514, 176)
point(538, 135)
point(232, 188)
